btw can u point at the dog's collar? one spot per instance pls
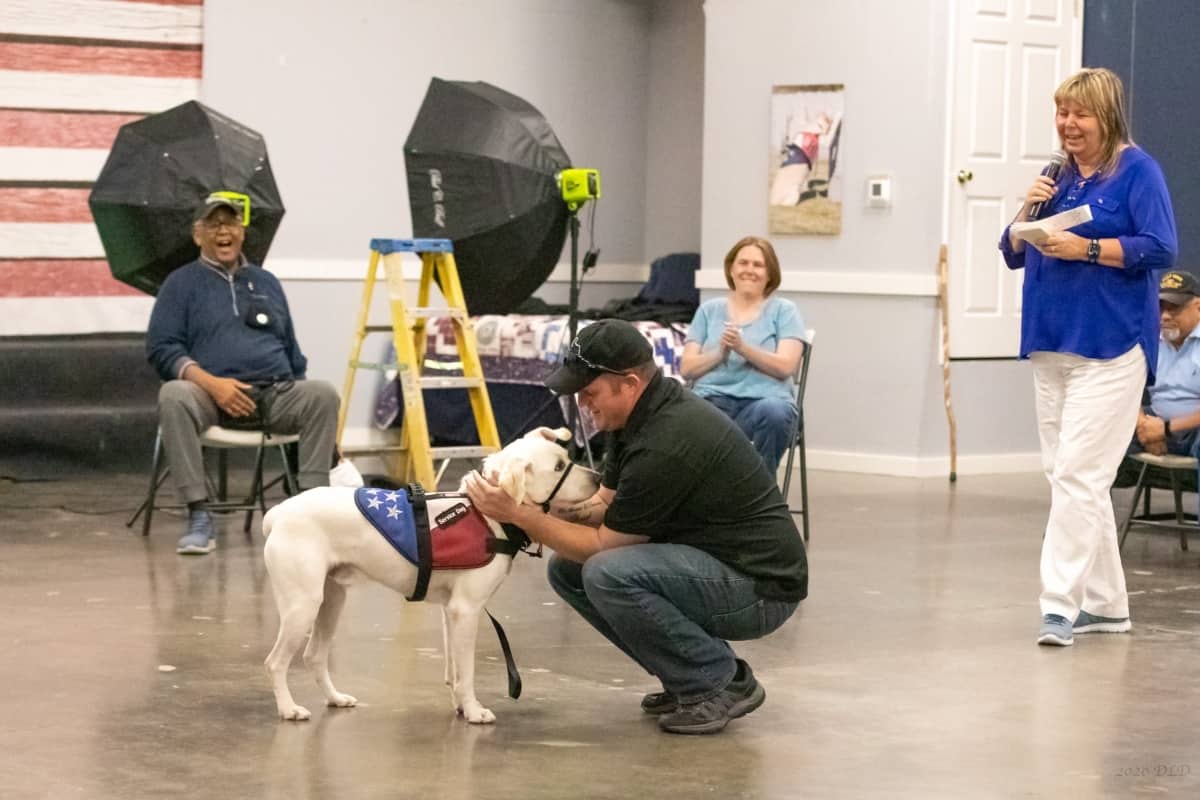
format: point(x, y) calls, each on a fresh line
point(545, 504)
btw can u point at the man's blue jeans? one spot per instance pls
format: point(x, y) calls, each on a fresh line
point(767, 423)
point(671, 609)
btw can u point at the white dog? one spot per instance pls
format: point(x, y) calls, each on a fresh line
point(318, 542)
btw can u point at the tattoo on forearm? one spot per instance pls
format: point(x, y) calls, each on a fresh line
point(584, 512)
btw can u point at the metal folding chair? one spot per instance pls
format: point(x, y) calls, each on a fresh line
point(800, 381)
point(1180, 473)
point(220, 438)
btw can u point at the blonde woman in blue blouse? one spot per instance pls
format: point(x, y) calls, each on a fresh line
point(1089, 325)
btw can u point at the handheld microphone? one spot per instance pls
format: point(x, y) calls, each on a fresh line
point(1051, 170)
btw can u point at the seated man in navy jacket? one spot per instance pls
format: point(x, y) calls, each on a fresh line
point(222, 338)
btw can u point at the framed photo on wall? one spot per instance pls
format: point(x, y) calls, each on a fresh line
point(804, 194)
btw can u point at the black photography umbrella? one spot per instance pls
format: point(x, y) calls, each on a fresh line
point(159, 171)
point(482, 166)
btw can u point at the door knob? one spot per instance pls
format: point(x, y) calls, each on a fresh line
point(965, 175)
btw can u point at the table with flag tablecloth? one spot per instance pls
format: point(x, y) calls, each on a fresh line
point(517, 353)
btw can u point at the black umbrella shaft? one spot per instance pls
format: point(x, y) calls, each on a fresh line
point(573, 297)
point(572, 326)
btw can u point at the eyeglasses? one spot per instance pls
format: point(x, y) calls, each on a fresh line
point(573, 353)
point(217, 224)
point(1173, 308)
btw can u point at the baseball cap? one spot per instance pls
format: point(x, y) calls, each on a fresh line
point(237, 203)
point(610, 345)
point(1178, 287)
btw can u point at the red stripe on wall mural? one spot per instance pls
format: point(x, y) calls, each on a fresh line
point(61, 128)
point(52, 276)
point(44, 205)
point(60, 278)
point(99, 60)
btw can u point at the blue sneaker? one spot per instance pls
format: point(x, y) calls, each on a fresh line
point(1094, 623)
point(200, 537)
point(1056, 630)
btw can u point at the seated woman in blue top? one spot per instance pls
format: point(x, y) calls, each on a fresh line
point(743, 349)
point(1089, 325)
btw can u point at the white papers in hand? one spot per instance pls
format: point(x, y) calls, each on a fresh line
point(1038, 231)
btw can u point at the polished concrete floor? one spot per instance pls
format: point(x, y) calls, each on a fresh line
point(910, 672)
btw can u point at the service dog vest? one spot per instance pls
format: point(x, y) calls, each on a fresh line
point(459, 537)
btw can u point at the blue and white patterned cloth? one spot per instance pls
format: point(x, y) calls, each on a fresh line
point(515, 348)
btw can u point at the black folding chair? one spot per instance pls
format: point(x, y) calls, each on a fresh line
point(222, 439)
point(1176, 473)
point(800, 381)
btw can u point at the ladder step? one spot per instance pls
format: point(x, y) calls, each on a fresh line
point(436, 452)
point(385, 246)
point(417, 313)
point(428, 311)
point(461, 452)
point(375, 365)
point(451, 383)
point(368, 449)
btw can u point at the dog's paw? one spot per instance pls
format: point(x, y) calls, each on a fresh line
point(340, 700)
point(476, 714)
point(296, 713)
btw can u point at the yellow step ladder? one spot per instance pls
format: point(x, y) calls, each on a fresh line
point(413, 457)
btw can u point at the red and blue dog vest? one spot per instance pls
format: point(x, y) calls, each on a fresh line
point(459, 537)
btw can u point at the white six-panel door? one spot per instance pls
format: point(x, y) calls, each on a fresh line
point(1008, 57)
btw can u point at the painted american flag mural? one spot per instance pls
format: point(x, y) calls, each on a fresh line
point(71, 73)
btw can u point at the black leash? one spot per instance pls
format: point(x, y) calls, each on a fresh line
point(514, 677)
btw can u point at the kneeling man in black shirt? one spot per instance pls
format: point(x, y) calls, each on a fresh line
point(686, 545)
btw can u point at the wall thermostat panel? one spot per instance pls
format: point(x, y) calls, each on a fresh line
point(879, 191)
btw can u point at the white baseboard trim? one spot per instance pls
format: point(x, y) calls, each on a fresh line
point(923, 467)
point(908, 284)
point(316, 269)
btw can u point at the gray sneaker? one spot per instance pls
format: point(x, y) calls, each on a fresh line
point(1055, 630)
point(660, 703)
point(1094, 623)
point(200, 537)
point(737, 699)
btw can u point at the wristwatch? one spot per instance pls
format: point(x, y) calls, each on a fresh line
point(1093, 251)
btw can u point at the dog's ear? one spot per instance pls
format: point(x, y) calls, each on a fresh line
point(556, 435)
point(512, 477)
point(542, 432)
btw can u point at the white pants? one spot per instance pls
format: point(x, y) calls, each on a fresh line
point(1087, 411)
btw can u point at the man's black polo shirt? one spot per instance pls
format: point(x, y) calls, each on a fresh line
point(685, 474)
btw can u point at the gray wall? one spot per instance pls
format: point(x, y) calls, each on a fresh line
point(334, 88)
point(674, 128)
point(669, 99)
point(875, 387)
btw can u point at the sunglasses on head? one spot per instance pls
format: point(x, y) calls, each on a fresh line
point(574, 354)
